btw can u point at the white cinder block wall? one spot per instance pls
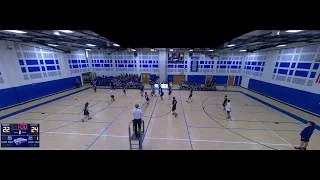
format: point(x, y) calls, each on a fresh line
point(11, 67)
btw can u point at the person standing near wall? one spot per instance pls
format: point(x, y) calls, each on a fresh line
point(137, 119)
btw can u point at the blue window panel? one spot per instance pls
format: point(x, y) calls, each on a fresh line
point(110, 61)
point(239, 67)
point(211, 66)
point(130, 65)
point(259, 63)
point(120, 65)
point(301, 73)
point(75, 61)
point(293, 65)
point(51, 68)
point(70, 61)
point(93, 65)
point(23, 69)
point(70, 66)
point(212, 62)
point(218, 62)
point(262, 69)
point(84, 65)
point(134, 65)
point(228, 67)
point(57, 62)
point(98, 65)
point(285, 64)
point(223, 67)
point(201, 62)
point(49, 61)
point(75, 66)
point(206, 66)
point(233, 62)
point(229, 62)
point(21, 62)
point(234, 67)
point(33, 69)
point(246, 63)
point(262, 63)
point(283, 71)
point(80, 61)
point(83, 61)
point(41, 62)
point(101, 61)
point(275, 71)
point(150, 62)
point(58, 67)
point(175, 66)
point(304, 65)
point(249, 67)
point(111, 65)
point(117, 61)
point(32, 62)
point(170, 66)
point(218, 66)
point(43, 68)
point(87, 61)
point(106, 65)
point(180, 66)
point(185, 66)
point(316, 66)
point(125, 61)
point(155, 66)
point(254, 63)
point(257, 68)
point(225, 62)
point(240, 62)
point(145, 65)
point(249, 63)
point(313, 75)
point(277, 64)
point(237, 62)
point(206, 62)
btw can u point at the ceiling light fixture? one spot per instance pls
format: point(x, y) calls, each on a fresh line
point(133, 50)
point(56, 33)
point(16, 31)
point(92, 45)
point(54, 45)
point(278, 33)
point(151, 49)
point(294, 31)
point(243, 50)
point(211, 50)
point(231, 45)
point(191, 50)
point(116, 45)
point(281, 45)
point(171, 49)
point(88, 49)
point(66, 31)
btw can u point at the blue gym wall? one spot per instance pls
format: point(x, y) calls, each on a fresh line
point(30, 71)
point(21, 94)
point(291, 75)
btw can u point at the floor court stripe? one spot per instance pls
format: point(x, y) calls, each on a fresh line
point(67, 108)
point(154, 107)
point(110, 124)
point(185, 120)
point(174, 139)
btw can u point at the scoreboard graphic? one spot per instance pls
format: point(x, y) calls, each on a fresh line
point(20, 135)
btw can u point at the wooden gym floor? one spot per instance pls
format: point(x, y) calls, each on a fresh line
point(201, 125)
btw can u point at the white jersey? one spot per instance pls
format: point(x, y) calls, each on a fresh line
point(228, 107)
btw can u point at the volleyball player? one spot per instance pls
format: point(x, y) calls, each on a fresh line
point(153, 91)
point(161, 93)
point(174, 106)
point(228, 109)
point(141, 90)
point(112, 96)
point(147, 97)
point(124, 91)
point(190, 95)
point(86, 112)
point(170, 91)
point(224, 103)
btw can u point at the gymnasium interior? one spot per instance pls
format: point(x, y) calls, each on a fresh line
point(271, 77)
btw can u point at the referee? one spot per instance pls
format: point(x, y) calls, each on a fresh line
point(137, 115)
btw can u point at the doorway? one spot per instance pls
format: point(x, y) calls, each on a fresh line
point(230, 80)
point(145, 78)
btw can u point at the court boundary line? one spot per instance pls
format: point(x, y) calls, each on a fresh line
point(110, 123)
point(171, 139)
point(239, 91)
point(185, 120)
point(154, 107)
point(40, 104)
